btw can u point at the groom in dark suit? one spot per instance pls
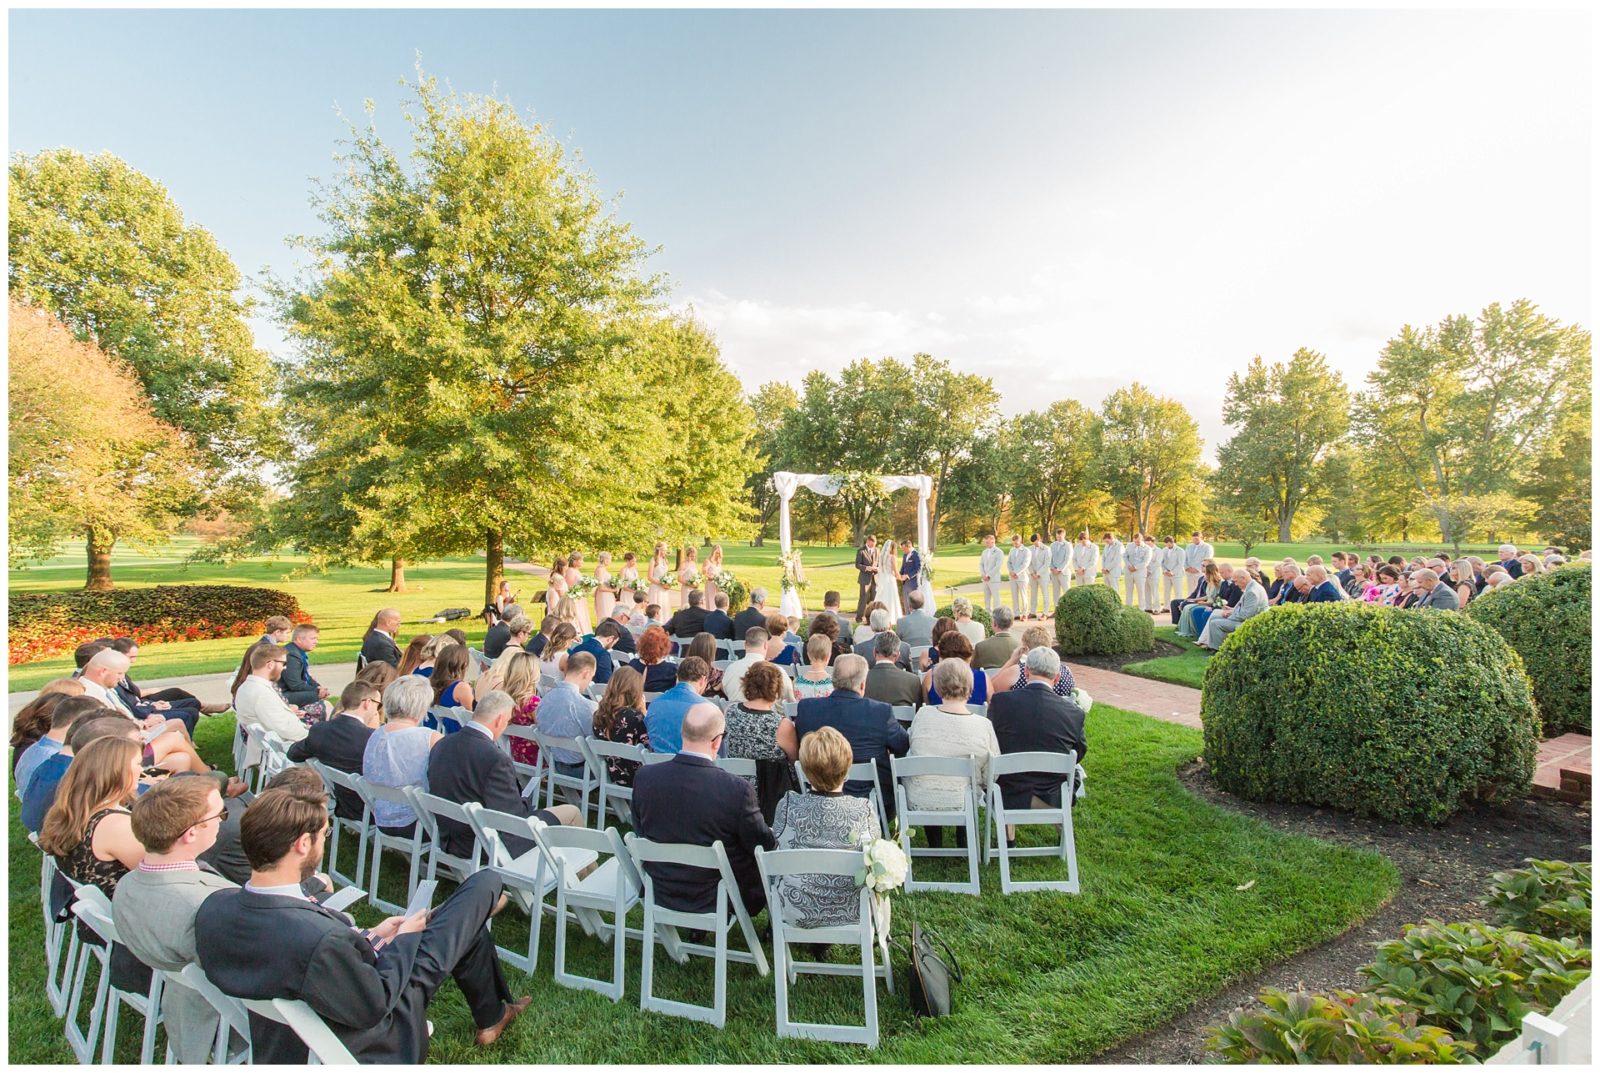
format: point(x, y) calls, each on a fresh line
point(866, 576)
point(910, 573)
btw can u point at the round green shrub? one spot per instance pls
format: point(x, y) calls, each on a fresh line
point(979, 614)
point(1394, 713)
point(1547, 620)
point(1091, 621)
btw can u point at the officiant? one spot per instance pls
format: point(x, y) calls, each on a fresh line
point(866, 576)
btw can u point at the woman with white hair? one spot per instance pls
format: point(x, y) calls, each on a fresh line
point(397, 752)
point(949, 729)
point(961, 611)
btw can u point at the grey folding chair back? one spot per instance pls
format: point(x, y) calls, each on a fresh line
point(775, 867)
point(527, 774)
point(410, 845)
point(60, 938)
point(325, 1047)
point(575, 788)
point(527, 876)
point(966, 817)
point(614, 887)
point(95, 911)
point(1062, 765)
point(232, 1018)
point(335, 779)
point(904, 712)
point(430, 808)
point(661, 925)
point(612, 795)
point(865, 771)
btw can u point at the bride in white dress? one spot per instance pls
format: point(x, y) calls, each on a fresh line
point(888, 585)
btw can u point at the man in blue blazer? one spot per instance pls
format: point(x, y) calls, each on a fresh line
point(868, 725)
point(910, 573)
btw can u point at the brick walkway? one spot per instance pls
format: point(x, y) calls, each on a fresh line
point(1564, 768)
point(1158, 700)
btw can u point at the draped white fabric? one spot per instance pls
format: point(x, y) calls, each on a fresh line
point(827, 484)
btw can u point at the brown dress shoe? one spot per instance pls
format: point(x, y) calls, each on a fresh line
point(487, 1036)
point(214, 709)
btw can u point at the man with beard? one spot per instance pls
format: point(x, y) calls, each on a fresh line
point(372, 986)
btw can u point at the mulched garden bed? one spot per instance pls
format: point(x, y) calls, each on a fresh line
point(1443, 871)
point(1116, 663)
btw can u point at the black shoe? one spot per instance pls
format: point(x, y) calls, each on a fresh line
point(819, 951)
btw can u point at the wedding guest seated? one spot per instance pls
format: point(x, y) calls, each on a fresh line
point(1510, 562)
point(688, 799)
point(498, 635)
point(449, 681)
point(1360, 581)
point(296, 683)
point(815, 679)
point(1206, 593)
point(553, 660)
point(916, 625)
point(1196, 594)
point(168, 741)
point(32, 720)
point(379, 643)
point(825, 818)
point(1035, 719)
point(397, 752)
point(755, 727)
point(567, 712)
point(718, 623)
point(626, 642)
point(1227, 619)
point(155, 904)
point(759, 646)
point(1290, 587)
point(664, 715)
point(469, 766)
point(830, 606)
point(40, 795)
point(1321, 588)
point(258, 703)
point(598, 646)
point(418, 659)
point(942, 627)
point(171, 702)
point(947, 727)
point(971, 629)
point(781, 627)
point(1435, 593)
point(864, 633)
point(371, 986)
point(340, 742)
point(993, 651)
point(754, 615)
point(704, 646)
point(654, 647)
point(226, 856)
point(954, 645)
point(825, 625)
point(871, 728)
point(620, 719)
point(536, 644)
point(1012, 676)
point(877, 625)
point(64, 712)
point(690, 620)
point(887, 681)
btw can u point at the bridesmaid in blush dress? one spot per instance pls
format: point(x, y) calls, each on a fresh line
point(630, 574)
point(684, 588)
point(658, 571)
point(605, 597)
point(557, 585)
point(573, 572)
point(713, 570)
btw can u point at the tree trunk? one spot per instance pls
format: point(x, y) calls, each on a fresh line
point(1285, 521)
point(397, 575)
point(99, 579)
point(495, 564)
point(761, 540)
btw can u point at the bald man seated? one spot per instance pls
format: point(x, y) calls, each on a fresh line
point(690, 800)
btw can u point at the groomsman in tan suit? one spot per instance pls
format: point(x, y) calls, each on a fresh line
point(1083, 558)
point(1060, 566)
point(1152, 576)
point(1136, 558)
point(1017, 568)
point(1038, 570)
point(991, 561)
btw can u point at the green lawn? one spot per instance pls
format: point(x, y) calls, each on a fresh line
point(342, 601)
point(1162, 923)
point(1188, 669)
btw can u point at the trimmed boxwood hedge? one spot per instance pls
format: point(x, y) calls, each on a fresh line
point(1092, 621)
point(44, 624)
point(979, 614)
point(1396, 713)
point(1547, 619)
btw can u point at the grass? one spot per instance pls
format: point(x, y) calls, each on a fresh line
point(342, 601)
point(1188, 669)
point(1179, 899)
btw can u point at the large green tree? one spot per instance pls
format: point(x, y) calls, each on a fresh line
point(1287, 416)
point(1459, 412)
point(106, 249)
point(1562, 484)
point(482, 312)
point(1149, 449)
point(948, 411)
point(769, 408)
point(1053, 469)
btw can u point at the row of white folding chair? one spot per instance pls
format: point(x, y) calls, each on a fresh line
point(614, 796)
point(447, 718)
point(93, 908)
point(415, 845)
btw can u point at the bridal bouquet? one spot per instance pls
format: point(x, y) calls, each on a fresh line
point(634, 584)
point(794, 575)
point(694, 579)
point(584, 587)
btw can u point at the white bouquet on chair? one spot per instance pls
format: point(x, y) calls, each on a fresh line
point(883, 871)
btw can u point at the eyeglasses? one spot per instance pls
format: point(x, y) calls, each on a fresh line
point(208, 819)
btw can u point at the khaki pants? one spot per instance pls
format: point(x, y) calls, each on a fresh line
point(1113, 576)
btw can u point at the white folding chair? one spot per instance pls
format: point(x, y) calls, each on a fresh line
point(724, 645)
point(978, 709)
point(274, 757)
point(547, 682)
point(1062, 764)
point(904, 712)
point(325, 1047)
point(661, 924)
point(335, 780)
point(596, 691)
point(437, 714)
point(909, 767)
point(92, 907)
point(410, 845)
point(613, 795)
point(681, 644)
point(430, 808)
point(866, 771)
point(529, 774)
point(526, 877)
point(479, 660)
point(737, 648)
point(776, 865)
point(575, 788)
point(232, 1018)
point(611, 888)
point(745, 769)
point(649, 698)
point(723, 664)
point(60, 939)
point(85, 1042)
point(238, 745)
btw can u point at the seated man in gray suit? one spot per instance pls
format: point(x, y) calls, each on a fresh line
point(886, 681)
point(879, 622)
point(1225, 620)
point(1435, 593)
point(916, 627)
point(155, 904)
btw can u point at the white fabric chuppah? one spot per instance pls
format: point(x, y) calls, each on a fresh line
point(786, 484)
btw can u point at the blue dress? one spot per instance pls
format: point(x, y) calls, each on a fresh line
point(980, 690)
point(396, 758)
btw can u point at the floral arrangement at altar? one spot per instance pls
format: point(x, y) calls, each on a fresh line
point(737, 592)
point(794, 574)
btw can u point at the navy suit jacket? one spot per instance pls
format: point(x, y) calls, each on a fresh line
point(1231, 593)
point(868, 725)
point(1324, 593)
point(296, 683)
point(911, 567)
point(719, 625)
point(340, 742)
point(690, 799)
point(380, 647)
point(604, 665)
point(467, 766)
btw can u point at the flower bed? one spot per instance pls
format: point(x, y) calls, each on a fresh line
point(48, 624)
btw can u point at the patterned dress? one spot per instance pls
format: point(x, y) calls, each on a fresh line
point(629, 729)
point(822, 821)
point(524, 751)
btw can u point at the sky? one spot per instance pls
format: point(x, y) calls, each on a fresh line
point(1065, 201)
